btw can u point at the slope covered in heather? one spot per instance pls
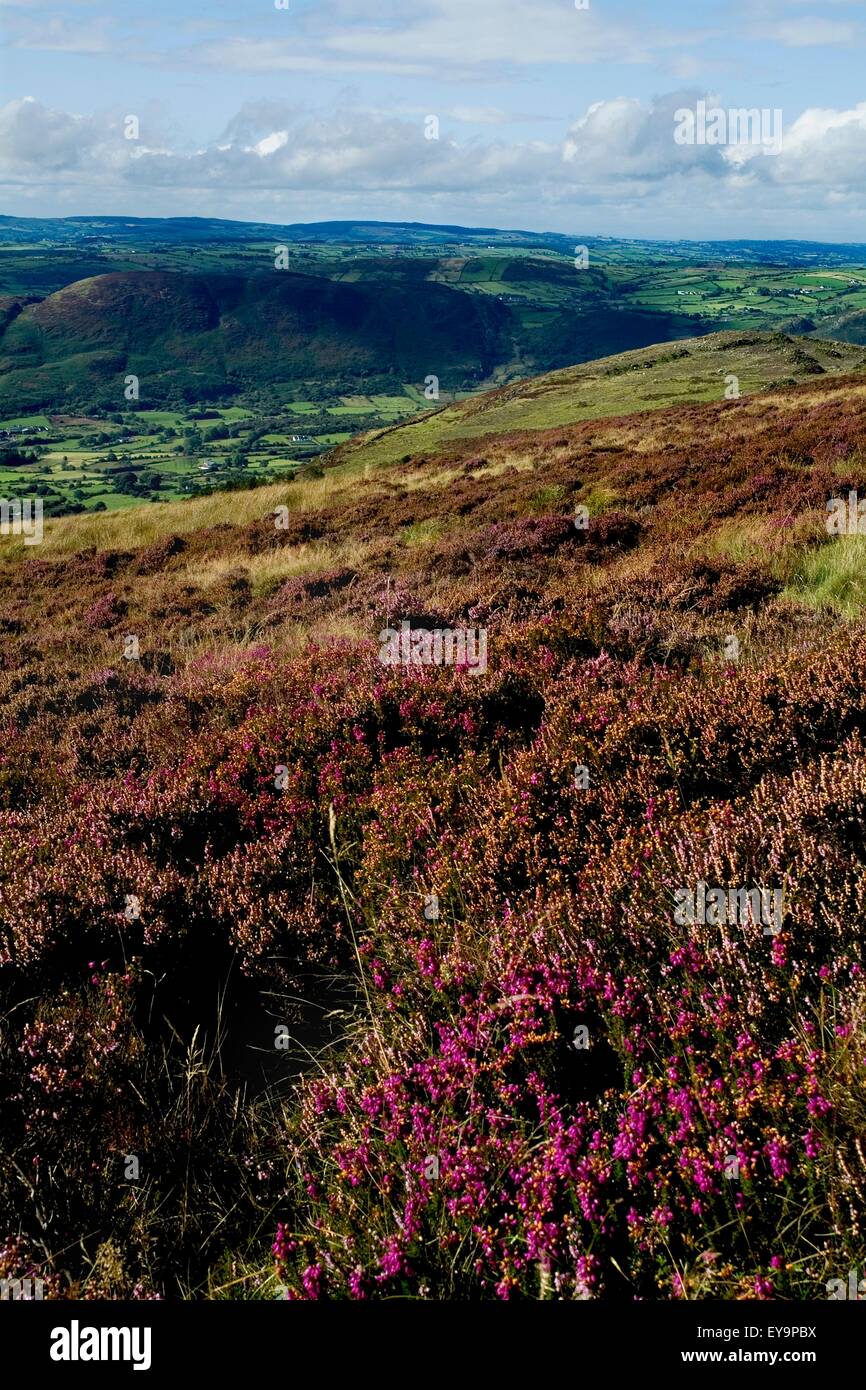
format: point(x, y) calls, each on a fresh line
point(513, 1071)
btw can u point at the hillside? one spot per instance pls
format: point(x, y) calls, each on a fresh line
point(198, 336)
point(511, 1070)
point(262, 425)
point(653, 378)
point(194, 337)
point(847, 328)
point(186, 230)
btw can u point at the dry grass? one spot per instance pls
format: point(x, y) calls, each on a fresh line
point(136, 527)
point(269, 568)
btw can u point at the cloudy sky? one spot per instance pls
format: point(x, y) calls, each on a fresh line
point(549, 117)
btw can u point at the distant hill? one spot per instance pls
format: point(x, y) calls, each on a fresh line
point(651, 378)
point(202, 335)
point(194, 308)
point(187, 231)
point(195, 336)
point(848, 328)
point(191, 230)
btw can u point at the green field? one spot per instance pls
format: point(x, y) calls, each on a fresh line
point(80, 466)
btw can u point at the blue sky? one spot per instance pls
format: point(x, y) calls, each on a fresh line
point(549, 116)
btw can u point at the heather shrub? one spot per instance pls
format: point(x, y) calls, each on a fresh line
point(155, 558)
point(613, 530)
point(105, 613)
point(298, 592)
point(533, 1081)
point(527, 536)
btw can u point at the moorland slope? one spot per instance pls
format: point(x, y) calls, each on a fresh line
point(539, 1082)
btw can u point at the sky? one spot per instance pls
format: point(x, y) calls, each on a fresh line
point(533, 114)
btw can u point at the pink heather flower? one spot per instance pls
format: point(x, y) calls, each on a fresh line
point(779, 1164)
point(379, 973)
point(426, 955)
point(811, 1144)
point(312, 1281)
point(818, 1106)
point(779, 951)
point(283, 1245)
point(392, 1262)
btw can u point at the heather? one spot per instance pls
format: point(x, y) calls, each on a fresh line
point(523, 1079)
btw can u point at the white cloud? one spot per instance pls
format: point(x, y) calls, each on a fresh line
point(436, 38)
point(826, 149)
point(273, 142)
point(34, 139)
point(810, 32)
point(441, 37)
point(619, 155)
point(624, 139)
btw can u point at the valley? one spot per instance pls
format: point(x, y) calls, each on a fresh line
point(362, 750)
point(150, 361)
